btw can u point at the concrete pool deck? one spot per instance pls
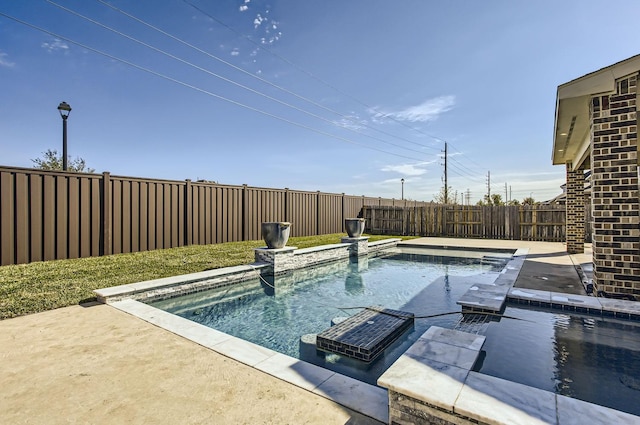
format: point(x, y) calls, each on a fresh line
point(97, 364)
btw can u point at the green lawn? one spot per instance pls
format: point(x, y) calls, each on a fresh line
point(40, 286)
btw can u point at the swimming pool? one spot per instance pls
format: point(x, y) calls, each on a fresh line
point(588, 357)
point(527, 346)
point(276, 313)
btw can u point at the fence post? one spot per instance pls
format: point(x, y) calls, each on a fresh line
point(286, 204)
point(245, 213)
point(106, 213)
point(344, 214)
point(188, 213)
point(317, 212)
point(534, 222)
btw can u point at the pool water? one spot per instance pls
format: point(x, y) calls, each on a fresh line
point(588, 357)
point(275, 314)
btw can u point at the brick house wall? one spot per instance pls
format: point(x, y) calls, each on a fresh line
point(615, 202)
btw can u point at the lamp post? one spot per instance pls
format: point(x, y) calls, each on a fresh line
point(64, 110)
point(402, 193)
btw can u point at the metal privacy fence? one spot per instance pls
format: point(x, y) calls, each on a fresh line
point(534, 223)
point(48, 215)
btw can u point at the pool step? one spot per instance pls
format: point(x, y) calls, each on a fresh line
point(365, 336)
point(491, 298)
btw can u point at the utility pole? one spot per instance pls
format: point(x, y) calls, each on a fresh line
point(506, 194)
point(509, 192)
point(489, 186)
point(468, 196)
point(446, 187)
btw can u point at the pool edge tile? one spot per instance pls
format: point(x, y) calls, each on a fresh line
point(243, 351)
point(297, 372)
point(195, 332)
point(572, 411)
point(409, 377)
point(497, 401)
point(356, 395)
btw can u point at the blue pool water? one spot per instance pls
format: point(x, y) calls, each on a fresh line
point(306, 302)
point(585, 357)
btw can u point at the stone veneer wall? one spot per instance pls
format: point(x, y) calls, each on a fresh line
point(283, 260)
point(575, 210)
point(616, 207)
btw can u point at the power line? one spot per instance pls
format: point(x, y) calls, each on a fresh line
point(252, 74)
point(182, 83)
point(223, 78)
point(464, 169)
point(320, 80)
point(466, 156)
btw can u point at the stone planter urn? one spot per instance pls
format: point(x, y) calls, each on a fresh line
point(354, 226)
point(276, 234)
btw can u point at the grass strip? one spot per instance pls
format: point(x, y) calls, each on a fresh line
point(46, 285)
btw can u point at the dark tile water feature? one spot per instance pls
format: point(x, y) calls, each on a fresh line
point(365, 335)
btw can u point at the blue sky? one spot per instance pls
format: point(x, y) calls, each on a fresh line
point(336, 96)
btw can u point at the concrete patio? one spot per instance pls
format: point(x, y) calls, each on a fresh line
point(96, 364)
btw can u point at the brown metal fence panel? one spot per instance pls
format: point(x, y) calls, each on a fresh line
point(262, 205)
point(47, 215)
point(302, 212)
point(352, 206)
point(330, 213)
point(7, 218)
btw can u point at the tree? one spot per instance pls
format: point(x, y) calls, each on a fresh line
point(52, 161)
point(451, 196)
point(496, 199)
point(529, 201)
point(513, 202)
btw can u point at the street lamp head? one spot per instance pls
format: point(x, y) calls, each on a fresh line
point(402, 180)
point(64, 109)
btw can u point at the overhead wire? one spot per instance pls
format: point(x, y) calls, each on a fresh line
point(244, 87)
point(191, 86)
point(463, 169)
point(313, 76)
point(252, 75)
point(466, 156)
point(467, 174)
point(348, 118)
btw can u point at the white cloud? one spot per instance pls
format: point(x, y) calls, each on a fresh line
point(429, 110)
point(235, 52)
point(5, 62)
point(258, 21)
point(415, 169)
point(244, 8)
point(55, 45)
point(352, 122)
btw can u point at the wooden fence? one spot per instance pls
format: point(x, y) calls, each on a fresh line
point(48, 215)
point(533, 223)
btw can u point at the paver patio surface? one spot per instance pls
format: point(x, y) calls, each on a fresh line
point(94, 364)
point(98, 365)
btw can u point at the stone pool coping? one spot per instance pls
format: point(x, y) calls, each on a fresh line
point(443, 358)
point(607, 307)
point(266, 262)
point(364, 398)
point(179, 285)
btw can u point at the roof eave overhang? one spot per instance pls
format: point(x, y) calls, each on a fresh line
point(571, 133)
